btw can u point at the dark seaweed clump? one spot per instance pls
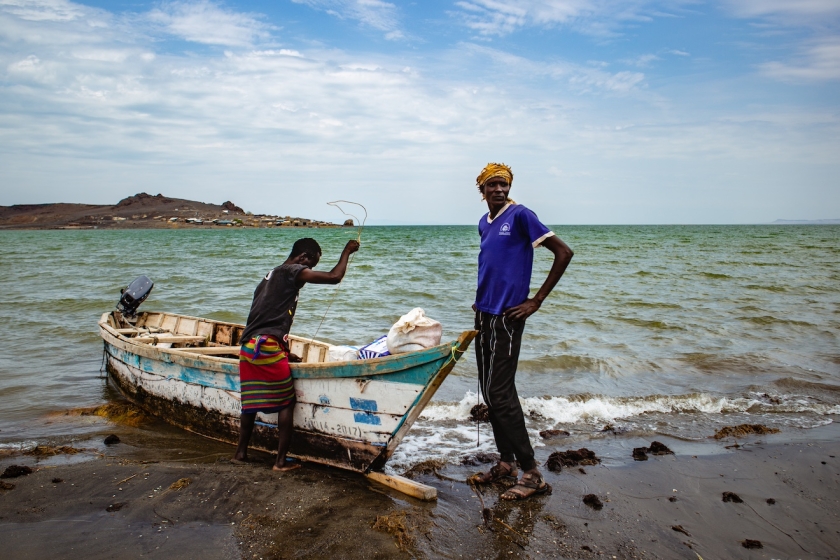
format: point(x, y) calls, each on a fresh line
point(744, 430)
point(732, 497)
point(14, 471)
point(480, 458)
point(680, 529)
point(430, 466)
point(615, 430)
point(548, 434)
point(401, 525)
point(50, 450)
point(571, 458)
point(480, 413)
point(750, 543)
point(656, 448)
point(593, 501)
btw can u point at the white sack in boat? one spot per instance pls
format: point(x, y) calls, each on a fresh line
point(414, 331)
point(343, 353)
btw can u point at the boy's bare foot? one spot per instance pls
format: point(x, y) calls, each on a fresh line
point(286, 468)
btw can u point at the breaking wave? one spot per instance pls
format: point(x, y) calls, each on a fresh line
point(597, 409)
point(445, 431)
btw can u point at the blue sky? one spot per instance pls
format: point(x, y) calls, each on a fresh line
point(609, 111)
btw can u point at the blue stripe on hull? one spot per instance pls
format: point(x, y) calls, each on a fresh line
point(367, 405)
point(367, 418)
point(186, 374)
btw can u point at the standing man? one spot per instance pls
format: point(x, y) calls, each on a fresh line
point(265, 377)
point(509, 233)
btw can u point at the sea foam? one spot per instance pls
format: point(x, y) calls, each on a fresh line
point(592, 409)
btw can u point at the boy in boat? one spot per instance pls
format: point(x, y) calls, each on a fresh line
point(265, 377)
point(509, 233)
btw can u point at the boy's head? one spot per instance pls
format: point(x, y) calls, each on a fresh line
point(308, 249)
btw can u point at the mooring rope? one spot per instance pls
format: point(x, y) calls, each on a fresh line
point(358, 238)
point(104, 365)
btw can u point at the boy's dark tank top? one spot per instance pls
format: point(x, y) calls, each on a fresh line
point(273, 308)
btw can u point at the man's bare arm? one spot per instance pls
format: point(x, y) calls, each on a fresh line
point(335, 275)
point(562, 256)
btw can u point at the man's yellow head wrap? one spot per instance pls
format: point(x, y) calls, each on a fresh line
point(494, 170)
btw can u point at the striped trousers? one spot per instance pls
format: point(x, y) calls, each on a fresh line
point(497, 353)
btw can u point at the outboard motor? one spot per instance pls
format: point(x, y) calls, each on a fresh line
point(135, 294)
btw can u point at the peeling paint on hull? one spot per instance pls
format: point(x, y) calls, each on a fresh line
point(342, 420)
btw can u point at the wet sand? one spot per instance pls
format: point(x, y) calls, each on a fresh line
point(115, 503)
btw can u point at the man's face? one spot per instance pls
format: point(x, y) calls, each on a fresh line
point(496, 190)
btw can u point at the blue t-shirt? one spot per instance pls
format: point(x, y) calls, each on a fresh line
point(507, 257)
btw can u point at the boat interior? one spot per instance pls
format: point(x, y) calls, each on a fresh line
point(201, 336)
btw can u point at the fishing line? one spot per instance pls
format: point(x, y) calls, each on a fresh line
point(477, 402)
point(350, 260)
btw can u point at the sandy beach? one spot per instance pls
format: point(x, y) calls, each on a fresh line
point(178, 497)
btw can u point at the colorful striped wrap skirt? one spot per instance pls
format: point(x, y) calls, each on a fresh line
point(264, 375)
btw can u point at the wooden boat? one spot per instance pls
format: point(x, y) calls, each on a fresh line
point(351, 414)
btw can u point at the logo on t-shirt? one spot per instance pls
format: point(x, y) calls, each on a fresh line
point(505, 229)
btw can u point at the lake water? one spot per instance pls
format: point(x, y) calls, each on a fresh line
point(673, 330)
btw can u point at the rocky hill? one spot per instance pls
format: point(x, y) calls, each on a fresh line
point(142, 211)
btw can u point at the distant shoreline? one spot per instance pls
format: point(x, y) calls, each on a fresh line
point(213, 227)
point(144, 211)
point(831, 221)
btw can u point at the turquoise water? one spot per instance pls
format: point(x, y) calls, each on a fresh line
point(657, 329)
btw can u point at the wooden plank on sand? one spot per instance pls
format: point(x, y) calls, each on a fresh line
point(406, 486)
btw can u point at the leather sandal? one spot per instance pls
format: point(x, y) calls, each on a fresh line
point(529, 485)
point(499, 471)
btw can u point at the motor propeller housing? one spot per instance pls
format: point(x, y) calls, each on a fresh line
point(135, 294)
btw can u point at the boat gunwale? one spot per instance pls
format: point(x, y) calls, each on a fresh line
point(368, 368)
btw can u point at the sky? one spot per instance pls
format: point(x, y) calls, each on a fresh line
point(608, 111)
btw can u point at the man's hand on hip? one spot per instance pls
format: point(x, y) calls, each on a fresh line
point(523, 310)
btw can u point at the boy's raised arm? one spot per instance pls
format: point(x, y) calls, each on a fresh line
point(335, 275)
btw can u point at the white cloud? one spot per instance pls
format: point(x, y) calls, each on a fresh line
point(43, 10)
point(581, 79)
point(798, 10)
point(377, 14)
point(208, 23)
point(620, 82)
point(492, 17)
point(49, 22)
point(594, 17)
point(817, 56)
point(819, 61)
point(102, 55)
point(642, 61)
